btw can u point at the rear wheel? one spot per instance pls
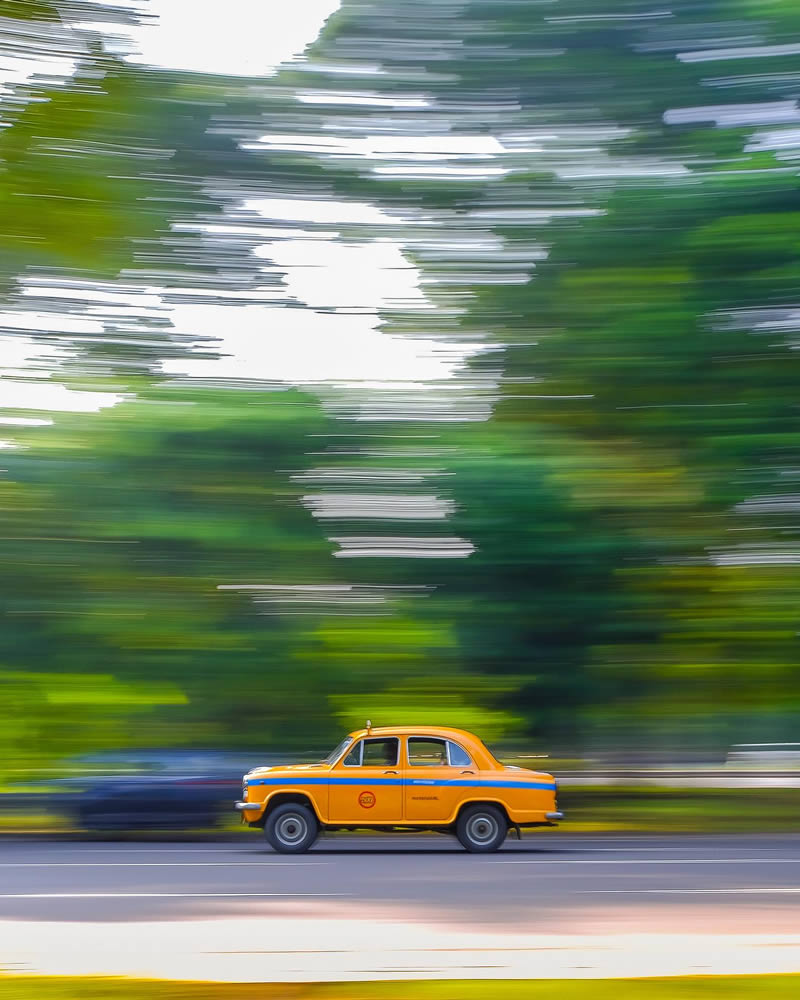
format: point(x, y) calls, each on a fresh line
point(291, 828)
point(481, 829)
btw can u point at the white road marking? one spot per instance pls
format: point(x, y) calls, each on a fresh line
point(634, 850)
point(236, 849)
point(656, 861)
point(164, 864)
point(692, 892)
point(156, 895)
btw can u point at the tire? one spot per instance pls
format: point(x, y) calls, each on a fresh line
point(291, 828)
point(481, 829)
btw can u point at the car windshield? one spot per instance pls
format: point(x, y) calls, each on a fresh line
point(336, 754)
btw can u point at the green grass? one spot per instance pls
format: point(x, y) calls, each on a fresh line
point(688, 988)
point(31, 822)
point(680, 810)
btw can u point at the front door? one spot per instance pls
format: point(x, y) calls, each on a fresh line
point(434, 766)
point(367, 786)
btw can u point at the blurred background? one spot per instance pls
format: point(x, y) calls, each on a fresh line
point(421, 360)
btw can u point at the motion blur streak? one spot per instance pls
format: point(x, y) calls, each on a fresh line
point(399, 358)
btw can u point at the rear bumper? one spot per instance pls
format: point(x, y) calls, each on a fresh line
point(553, 817)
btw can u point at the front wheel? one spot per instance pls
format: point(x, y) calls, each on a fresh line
point(291, 828)
point(481, 829)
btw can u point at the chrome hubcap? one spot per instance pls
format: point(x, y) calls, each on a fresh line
point(482, 829)
point(291, 830)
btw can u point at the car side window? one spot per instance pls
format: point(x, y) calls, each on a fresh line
point(458, 756)
point(374, 753)
point(381, 753)
point(424, 751)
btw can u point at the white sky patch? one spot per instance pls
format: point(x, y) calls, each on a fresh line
point(381, 547)
point(39, 321)
point(607, 167)
point(365, 99)
point(369, 276)
point(319, 211)
point(330, 332)
point(340, 69)
point(753, 555)
point(378, 506)
point(778, 503)
point(251, 37)
point(422, 148)
point(455, 173)
point(114, 294)
point(302, 346)
point(269, 232)
point(17, 395)
point(20, 351)
point(457, 157)
point(336, 338)
point(18, 70)
point(36, 361)
point(34, 54)
point(256, 340)
point(24, 422)
point(736, 115)
point(776, 140)
point(738, 52)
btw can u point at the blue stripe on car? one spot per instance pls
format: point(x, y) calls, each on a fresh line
point(455, 783)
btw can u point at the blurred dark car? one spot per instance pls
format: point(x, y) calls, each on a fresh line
point(155, 789)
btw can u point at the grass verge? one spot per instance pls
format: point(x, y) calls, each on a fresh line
point(679, 810)
point(596, 809)
point(680, 988)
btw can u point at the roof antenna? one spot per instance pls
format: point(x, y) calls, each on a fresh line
point(369, 726)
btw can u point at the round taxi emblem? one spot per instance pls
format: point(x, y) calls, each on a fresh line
point(366, 800)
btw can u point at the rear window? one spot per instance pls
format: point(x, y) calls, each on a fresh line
point(458, 756)
point(424, 751)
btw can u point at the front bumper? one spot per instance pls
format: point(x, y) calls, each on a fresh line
point(553, 817)
point(248, 806)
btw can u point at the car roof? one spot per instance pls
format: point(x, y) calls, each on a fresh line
point(441, 732)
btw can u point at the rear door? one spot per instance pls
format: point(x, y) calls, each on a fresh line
point(435, 772)
point(366, 786)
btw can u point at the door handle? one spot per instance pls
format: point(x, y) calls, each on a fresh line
point(467, 772)
point(390, 772)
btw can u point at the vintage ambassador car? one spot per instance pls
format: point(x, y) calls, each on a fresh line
point(411, 778)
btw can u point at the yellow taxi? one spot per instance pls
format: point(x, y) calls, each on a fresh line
point(399, 777)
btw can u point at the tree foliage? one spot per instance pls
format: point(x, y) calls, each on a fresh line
point(631, 498)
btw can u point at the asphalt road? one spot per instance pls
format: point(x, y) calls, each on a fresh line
point(553, 881)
